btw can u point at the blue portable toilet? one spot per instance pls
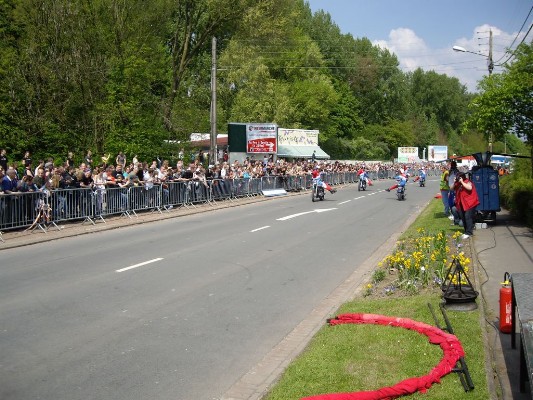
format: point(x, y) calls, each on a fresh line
point(487, 183)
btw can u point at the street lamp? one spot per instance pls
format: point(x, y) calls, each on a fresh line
point(490, 63)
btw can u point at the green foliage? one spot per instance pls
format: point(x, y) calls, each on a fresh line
point(516, 194)
point(439, 96)
point(505, 104)
point(119, 76)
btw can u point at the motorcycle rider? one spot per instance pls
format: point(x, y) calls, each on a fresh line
point(401, 179)
point(317, 178)
point(421, 175)
point(362, 174)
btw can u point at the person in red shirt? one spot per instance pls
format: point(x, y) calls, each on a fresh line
point(466, 201)
point(316, 176)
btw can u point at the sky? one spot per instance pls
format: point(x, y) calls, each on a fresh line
point(422, 32)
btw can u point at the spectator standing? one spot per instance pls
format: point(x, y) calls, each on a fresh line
point(453, 173)
point(27, 161)
point(39, 166)
point(466, 201)
point(86, 180)
point(188, 174)
point(445, 189)
point(88, 160)
point(9, 182)
point(49, 164)
point(3, 160)
point(121, 160)
point(39, 179)
point(70, 159)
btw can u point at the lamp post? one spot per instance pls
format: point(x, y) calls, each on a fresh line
point(490, 63)
point(213, 152)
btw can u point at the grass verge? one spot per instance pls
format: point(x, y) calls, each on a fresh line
point(350, 358)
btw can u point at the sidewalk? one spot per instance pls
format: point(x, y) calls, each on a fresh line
point(506, 246)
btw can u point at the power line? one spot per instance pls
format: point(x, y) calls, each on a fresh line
point(522, 41)
point(517, 35)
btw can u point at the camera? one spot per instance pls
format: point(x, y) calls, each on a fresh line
point(459, 176)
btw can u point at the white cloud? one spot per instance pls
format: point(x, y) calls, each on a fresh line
point(413, 52)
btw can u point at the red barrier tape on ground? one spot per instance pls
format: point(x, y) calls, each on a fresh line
point(450, 345)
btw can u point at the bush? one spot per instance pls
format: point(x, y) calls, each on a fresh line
point(516, 194)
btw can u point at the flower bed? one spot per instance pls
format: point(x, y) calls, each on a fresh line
point(419, 263)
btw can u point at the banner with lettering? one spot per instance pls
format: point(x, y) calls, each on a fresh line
point(407, 154)
point(297, 137)
point(261, 138)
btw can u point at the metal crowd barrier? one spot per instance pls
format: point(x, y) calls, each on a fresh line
point(44, 208)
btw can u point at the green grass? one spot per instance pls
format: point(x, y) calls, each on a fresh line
point(349, 357)
point(432, 219)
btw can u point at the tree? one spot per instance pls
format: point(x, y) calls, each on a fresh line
point(439, 96)
point(272, 72)
point(505, 104)
point(193, 24)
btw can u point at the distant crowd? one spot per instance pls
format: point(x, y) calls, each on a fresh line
point(27, 175)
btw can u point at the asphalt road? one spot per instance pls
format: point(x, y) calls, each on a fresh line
point(181, 309)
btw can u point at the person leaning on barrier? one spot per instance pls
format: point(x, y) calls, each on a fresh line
point(28, 202)
point(9, 182)
point(87, 181)
point(26, 184)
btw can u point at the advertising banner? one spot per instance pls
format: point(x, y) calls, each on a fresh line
point(261, 138)
point(297, 137)
point(437, 153)
point(408, 154)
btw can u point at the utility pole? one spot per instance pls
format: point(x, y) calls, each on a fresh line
point(213, 114)
point(489, 61)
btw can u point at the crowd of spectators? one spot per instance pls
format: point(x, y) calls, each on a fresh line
point(50, 174)
point(55, 183)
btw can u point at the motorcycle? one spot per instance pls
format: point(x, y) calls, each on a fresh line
point(422, 182)
point(400, 193)
point(317, 192)
point(362, 184)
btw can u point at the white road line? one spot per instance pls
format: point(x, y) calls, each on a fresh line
point(139, 265)
point(347, 201)
point(306, 212)
point(260, 229)
point(360, 197)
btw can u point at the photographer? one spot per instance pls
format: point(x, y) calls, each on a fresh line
point(466, 201)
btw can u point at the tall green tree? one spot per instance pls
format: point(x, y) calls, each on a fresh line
point(273, 72)
point(505, 104)
point(192, 25)
point(439, 96)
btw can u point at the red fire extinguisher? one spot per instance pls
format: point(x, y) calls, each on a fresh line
point(506, 294)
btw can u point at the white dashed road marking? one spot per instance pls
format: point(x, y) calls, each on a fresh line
point(139, 265)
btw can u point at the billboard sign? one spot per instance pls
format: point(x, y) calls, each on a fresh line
point(297, 137)
point(407, 154)
point(261, 138)
point(437, 153)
